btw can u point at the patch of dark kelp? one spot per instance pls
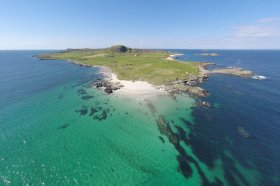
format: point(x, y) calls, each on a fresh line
point(96, 113)
point(84, 94)
point(215, 147)
point(175, 138)
point(60, 96)
point(81, 91)
point(64, 126)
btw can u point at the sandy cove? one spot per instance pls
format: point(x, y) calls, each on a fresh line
point(173, 56)
point(139, 89)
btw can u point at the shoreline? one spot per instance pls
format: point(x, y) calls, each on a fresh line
point(172, 57)
point(139, 89)
point(143, 89)
point(190, 86)
point(188, 80)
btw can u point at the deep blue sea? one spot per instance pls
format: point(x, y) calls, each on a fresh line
point(49, 134)
point(248, 103)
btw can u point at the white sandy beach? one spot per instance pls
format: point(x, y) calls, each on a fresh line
point(172, 56)
point(140, 89)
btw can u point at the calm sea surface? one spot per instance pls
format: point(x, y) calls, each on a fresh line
point(56, 129)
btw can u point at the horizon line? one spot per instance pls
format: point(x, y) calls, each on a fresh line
point(148, 49)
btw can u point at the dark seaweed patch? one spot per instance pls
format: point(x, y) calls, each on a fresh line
point(184, 166)
point(174, 138)
point(181, 133)
point(86, 97)
point(92, 111)
point(64, 126)
point(60, 96)
point(161, 139)
point(81, 91)
point(166, 130)
point(101, 116)
point(83, 111)
point(97, 113)
point(152, 107)
point(186, 122)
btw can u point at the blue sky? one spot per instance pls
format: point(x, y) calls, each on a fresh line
point(206, 24)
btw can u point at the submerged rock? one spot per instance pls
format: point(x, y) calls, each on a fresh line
point(203, 104)
point(242, 132)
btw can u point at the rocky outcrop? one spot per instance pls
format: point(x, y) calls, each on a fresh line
point(183, 88)
point(203, 104)
point(233, 71)
point(108, 86)
point(208, 54)
point(119, 49)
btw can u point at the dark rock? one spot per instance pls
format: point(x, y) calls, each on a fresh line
point(108, 90)
point(108, 86)
point(203, 104)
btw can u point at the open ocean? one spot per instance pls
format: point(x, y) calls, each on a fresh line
point(56, 129)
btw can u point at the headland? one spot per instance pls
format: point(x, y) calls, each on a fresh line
point(144, 72)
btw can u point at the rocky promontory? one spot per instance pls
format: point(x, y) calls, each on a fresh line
point(108, 86)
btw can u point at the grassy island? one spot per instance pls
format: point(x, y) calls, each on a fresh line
point(157, 67)
point(152, 66)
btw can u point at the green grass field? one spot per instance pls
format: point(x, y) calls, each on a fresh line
point(144, 65)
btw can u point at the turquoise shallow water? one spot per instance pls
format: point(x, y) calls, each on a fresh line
point(56, 129)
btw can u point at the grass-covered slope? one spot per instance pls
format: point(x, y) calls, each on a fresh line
point(132, 64)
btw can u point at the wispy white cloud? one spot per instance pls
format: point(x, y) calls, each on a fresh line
point(262, 28)
point(256, 31)
point(269, 20)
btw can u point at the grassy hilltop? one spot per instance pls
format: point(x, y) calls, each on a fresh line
point(132, 64)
